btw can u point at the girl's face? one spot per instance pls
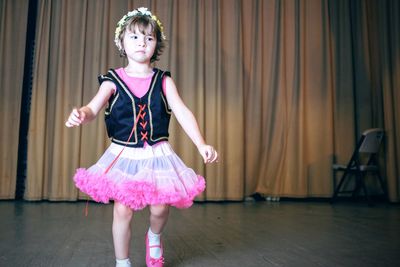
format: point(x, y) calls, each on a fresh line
point(139, 46)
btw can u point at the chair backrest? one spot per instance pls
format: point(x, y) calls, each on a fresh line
point(372, 139)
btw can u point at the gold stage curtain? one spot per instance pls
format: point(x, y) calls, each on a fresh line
point(280, 88)
point(13, 22)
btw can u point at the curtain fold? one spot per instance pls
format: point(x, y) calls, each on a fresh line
point(206, 66)
point(73, 48)
point(387, 38)
point(13, 24)
point(292, 88)
point(282, 89)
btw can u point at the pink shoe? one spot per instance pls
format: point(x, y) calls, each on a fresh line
point(151, 262)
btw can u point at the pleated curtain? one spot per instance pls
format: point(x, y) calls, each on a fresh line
point(281, 88)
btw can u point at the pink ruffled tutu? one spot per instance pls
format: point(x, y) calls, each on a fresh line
point(141, 176)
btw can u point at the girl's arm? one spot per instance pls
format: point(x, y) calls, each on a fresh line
point(89, 112)
point(188, 122)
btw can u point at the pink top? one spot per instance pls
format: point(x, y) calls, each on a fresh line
point(137, 85)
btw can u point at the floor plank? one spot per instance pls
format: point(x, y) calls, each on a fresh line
point(243, 234)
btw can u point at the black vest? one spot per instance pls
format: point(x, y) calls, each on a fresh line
point(123, 109)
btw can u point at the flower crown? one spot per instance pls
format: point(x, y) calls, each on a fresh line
point(142, 11)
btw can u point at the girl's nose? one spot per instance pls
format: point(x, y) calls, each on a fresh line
point(142, 42)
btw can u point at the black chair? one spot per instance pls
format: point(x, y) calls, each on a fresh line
point(363, 161)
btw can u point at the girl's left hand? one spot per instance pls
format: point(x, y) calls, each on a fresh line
point(208, 153)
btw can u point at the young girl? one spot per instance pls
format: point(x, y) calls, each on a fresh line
point(140, 168)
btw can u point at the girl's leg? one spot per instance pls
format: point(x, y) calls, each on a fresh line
point(158, 218)
point(121, 230)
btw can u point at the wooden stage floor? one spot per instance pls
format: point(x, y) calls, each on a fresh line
point(243, 234)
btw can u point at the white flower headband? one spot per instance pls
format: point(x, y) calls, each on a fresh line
point(142, 11)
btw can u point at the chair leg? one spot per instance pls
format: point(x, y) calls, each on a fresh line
point(334, 185)
point(358, 185)
point(334, 179)
point(337, 189)
point(385, 193)
point(364, 188)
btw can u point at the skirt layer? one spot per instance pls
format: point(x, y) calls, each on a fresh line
point(141, 176)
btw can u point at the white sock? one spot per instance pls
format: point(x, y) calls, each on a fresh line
point(154, 240)
point(123, 263)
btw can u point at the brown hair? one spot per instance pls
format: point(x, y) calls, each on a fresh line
point(143, 22)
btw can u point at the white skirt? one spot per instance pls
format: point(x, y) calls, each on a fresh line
point(150, 175)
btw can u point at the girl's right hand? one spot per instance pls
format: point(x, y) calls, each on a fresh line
point(76, 118)
point(208, 153)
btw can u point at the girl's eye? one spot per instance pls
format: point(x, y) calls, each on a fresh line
point(133, 36)
point(150, 38)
